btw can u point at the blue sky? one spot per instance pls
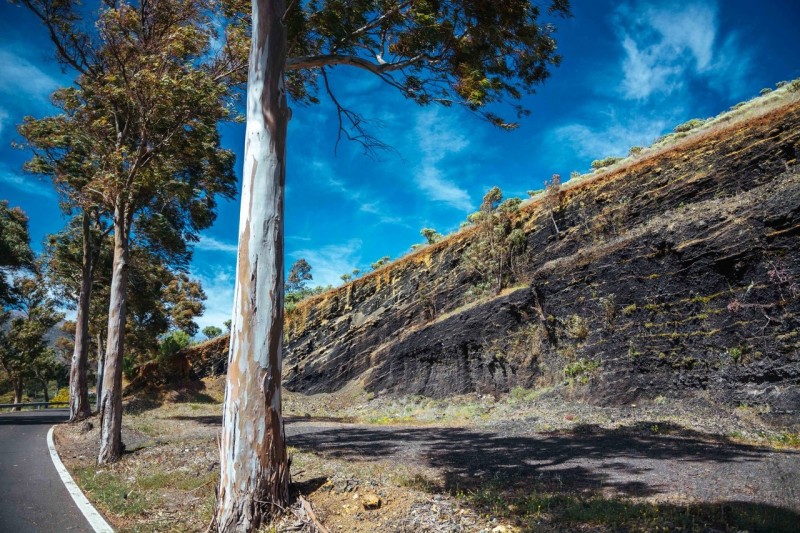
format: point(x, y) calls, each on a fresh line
point(631, 71)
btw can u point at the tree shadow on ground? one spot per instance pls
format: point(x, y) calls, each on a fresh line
point(588, 477)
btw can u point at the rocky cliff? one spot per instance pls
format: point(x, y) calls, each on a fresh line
point(675, 273)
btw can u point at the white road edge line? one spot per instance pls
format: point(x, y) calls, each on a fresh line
point(94, 518)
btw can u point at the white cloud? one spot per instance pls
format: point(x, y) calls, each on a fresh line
point(665, 45)
point(613, 138)
point(19, 77)
point(438, 139)
point(3, 119)
point(211, 244)
point(329, 262)
point(218, 286)
point(25, 183)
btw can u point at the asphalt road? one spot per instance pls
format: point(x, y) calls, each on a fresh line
point(32, 498)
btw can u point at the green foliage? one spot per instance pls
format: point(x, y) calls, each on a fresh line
point(493, 255)
point(15, 248)
point(781, 84)
point(212, 332)
point(346, 278)
point(172, 343)
point(24, 325)
point(603, 163)
point(294, 298)
point(581, 370)
point(628, 310)
point(765, 91)
point(419, 48)
point(380, 262)
point(635, 150)
point(159, 301)
point(431, 235)
point(299, 275)
point(689, 125)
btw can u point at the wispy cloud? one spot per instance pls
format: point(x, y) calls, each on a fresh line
point(667, 49)
point(210, 244)
point(3, 119)
point(368, 201)
point(329, 262)
point(439, 138)
point(612, 138)
point(218, 286)
point(25, 183)
point(666, 45)
point(19, 77)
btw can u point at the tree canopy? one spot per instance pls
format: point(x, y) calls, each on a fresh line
point(474, 53)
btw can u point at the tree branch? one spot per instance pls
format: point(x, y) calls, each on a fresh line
point(371, 144)
point(332, 60)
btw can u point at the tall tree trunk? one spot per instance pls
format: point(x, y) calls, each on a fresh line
point(46, 392)
point(111, 400)
point(254, 471)
point(101, 360)
point(79, 407)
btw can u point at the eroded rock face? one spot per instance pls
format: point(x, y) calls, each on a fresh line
point(678, 274)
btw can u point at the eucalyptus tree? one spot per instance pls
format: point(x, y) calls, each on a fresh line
point(24, 351)
point(150, 91)
point(15, 247)
point(71, 259)
point(473, 53)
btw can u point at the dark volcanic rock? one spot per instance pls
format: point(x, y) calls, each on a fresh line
point(676, 274)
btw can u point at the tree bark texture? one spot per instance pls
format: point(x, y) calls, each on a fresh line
point(101, 362)
point(111, 400)
point(79, 407)
point(17, 393)
point(254, 472)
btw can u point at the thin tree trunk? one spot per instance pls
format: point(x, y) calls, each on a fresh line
point(111, 400)
point(79, 407)
point(17, 392)
point(101, 360)
point(254, 471)
point(46, 393)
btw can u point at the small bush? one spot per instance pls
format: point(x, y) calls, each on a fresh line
point(61, 396)
point(577, 327)
point(738, 106)
point(689, 125)
point(794, 86)
point(603, 163)
point(781, 84)
point(765, 91)
point(635, 150)
point(629, 310)
point(581, 369)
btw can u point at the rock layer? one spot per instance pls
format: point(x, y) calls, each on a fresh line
point(675, 273)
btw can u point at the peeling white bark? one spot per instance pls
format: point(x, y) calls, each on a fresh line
point(254, 476)
point(111, 400)
point(79, 407)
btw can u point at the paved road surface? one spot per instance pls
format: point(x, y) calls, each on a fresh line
point(33, 498)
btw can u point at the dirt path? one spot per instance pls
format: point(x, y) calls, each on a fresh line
point(654, 463)
point(638, 472)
